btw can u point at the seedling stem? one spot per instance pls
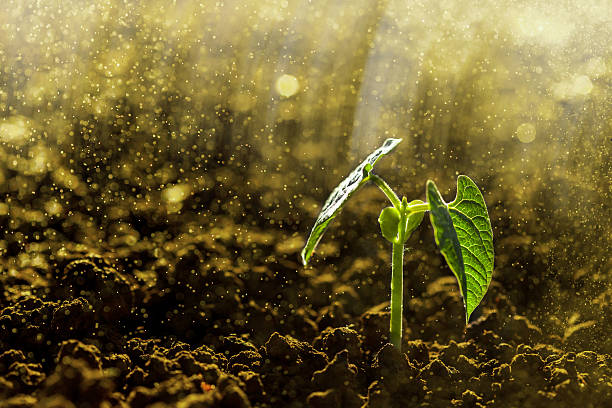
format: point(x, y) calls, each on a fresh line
point(418, 208)
point(384, 187)
point(397, 293)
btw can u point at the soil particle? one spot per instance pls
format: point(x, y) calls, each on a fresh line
point(521, 330)
point(466, 366)
point(74, 349)
point(105, 288)
point(207, 400)
point(253, 385)
point(375, 328)
point(504, 352)
point(333, 316)
point(117, 365)
point(22, 401)
point(516, 330)
point(334, 397)
point(417, 352)
point(25, 377)
point(338, 373)
point(502, 372)
point(330, 398)
point(159, 368)
point(135, 378)
point(289, 350)
point(206, 355)
point(9, 357)
point(333, 340)
point(288, 360)
point(303, 325)
point(55, 401)
point(166, 393)
point(394, 378)
point(77, 382)
point(232, 394)
point(527, 368)
point(587, 361)
point(26, 323)
point(439, 379)
point(73, 318)
point(244, 360)
point(233, 345)
point(188, 363)
point(470, 399)
point(390, 364)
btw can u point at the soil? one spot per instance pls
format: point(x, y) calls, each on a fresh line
point(170, 314)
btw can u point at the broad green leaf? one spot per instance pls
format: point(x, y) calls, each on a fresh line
point(471, 220)
point(389, 220)
point(463, 233)
point(445, 235)
point(338, 197)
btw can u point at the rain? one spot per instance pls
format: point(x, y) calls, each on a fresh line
point(162, 164)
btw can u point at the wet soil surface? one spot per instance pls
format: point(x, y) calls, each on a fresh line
point(226, 317)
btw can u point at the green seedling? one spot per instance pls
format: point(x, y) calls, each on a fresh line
point(462, 231)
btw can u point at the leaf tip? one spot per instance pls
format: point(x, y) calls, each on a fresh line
point(464, 177)
point(394, 141)
point(430, 188)
point(304, 257)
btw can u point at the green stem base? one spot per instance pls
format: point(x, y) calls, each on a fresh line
point(397, 288)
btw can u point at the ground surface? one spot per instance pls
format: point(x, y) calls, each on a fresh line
point(226, 316)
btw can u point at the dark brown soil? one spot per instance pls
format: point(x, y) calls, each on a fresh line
point(226, 317)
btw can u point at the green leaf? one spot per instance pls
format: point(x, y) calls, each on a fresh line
point(414, 220)
point(389, 220)
point(463, 233)
point(338, 197)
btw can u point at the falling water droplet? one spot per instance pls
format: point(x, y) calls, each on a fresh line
point(287, 85)
point(526, 133)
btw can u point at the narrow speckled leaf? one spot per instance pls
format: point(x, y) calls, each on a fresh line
point(463, 233)
point(338, 197)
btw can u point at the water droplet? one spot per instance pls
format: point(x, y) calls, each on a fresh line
point(582, 85)
point(287, 85)
point(526, 133)
point(176, 194)
point(15, 130)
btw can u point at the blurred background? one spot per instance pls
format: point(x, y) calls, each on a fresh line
point(123, 121)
